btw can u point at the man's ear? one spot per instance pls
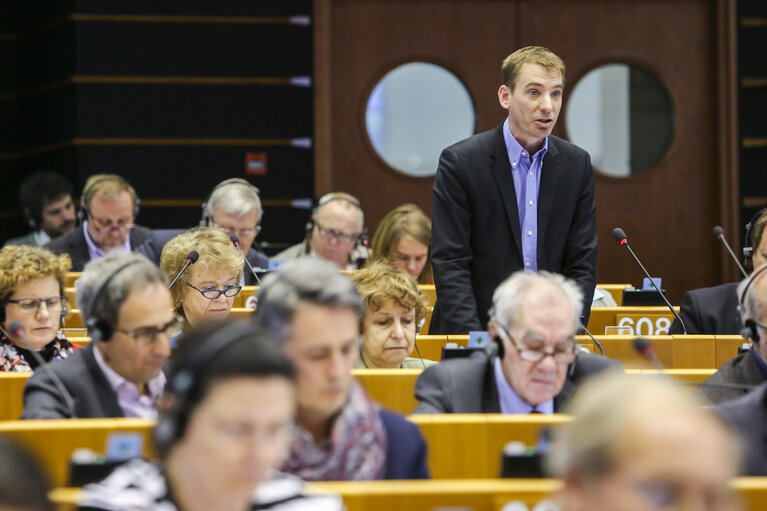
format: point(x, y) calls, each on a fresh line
point(492, 329)
point(504, 96)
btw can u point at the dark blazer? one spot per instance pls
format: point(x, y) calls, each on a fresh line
point(747, 415)
point(74, 244)
point(741, 370)
point(406, 449)
point(476, 239)
point(709, 311)
point(90, 390)
point(467, 385)
point(153, 245)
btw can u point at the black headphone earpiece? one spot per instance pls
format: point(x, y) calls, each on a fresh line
point(749, 330)
point(30, 219)
point(98, 329)
point(175, 401)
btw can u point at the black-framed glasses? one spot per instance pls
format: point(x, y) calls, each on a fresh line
point(148, 335)
point(102, 226)
point(560, 356)
point(237, 232)
point(340, 236)
point(212, 294)
point(32, 305)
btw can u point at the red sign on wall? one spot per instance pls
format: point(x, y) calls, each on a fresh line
point(255, 164)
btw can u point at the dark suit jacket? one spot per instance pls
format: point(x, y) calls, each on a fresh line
point(92, 394)
point(476, 240)
point(153, 245)
point(406, 450)
point(74, 244)
point(741, 370)
point(747, 415)
point(709, 311)
point(467, 385)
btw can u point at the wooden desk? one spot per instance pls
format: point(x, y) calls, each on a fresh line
point(642, 320)
point(391, 388)
point(71, 277)
point(616, 290)
point(11, 392)
point(53, 441)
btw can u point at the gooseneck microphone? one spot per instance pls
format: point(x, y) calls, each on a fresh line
point(644, 348)
point(719, 233)
point(16, 329)
point(236, 242)
point(620, 236)
point(191, 258)
point(599, 344)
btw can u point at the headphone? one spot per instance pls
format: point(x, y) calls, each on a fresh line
point(178, 391)
point(99, 329)
point(205, 218)
point(29, 218)
point(91, 188)
point(749, 330)
point(748, 249)
point(337, 196)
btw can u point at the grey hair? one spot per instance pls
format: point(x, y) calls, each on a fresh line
point(752, 308)
point(139, 272)
point(304, 281)
point(509, 296)
point(236, 198)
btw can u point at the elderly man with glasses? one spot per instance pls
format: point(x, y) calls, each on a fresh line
point(533, 366)
point(128, 311)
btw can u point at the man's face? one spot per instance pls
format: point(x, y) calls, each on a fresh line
point(336, 228)
point(760, 252)
point(323, 347)
point(58, 216)
point(243, 226)
point(110, 220)
point(145, 307)
point(546, 324)
point(664, 462)
point(760, 288)
point(533, 105)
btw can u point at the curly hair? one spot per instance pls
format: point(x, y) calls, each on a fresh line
point(217, 253)
point(405, 221)
point(20, 264)
point(380, 283)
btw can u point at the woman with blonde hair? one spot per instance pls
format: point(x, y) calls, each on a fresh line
point(206, 290)
point(394, 308)
point(32, 281)
point(403, 238)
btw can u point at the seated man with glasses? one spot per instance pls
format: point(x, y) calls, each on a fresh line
point(337, 224)
point(109, 205)
point(533, 366)
point(128, 312)
point(234, 206)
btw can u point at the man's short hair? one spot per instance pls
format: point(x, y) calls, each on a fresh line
point(109, 185)
point(602, 410)
point(530, 55)
point(235, 196)
point(757, 229)
point(103, 302)
point(510, 295)
point(304, 281)
point(40, 189)
point(339, 197)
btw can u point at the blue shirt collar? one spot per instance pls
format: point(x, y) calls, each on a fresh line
point(510, 401)
point(759, 361)
point(514, 149)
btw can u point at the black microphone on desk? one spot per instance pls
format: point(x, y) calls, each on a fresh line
point(644, 348)
point(16, 329)
point(236, 243)
point(719, 233)
point(191, 258)
point(619, 235)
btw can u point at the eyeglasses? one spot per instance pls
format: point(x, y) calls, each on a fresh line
point(560, 356)
point(103, 226)
point(32, 305)
point(212, 294)
point(330, 233)
point(237, 232)
point(148, 335)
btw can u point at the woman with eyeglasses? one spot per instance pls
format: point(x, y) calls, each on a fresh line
point(206, 290)
point(31, 293)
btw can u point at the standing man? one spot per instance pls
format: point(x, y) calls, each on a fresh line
point(110, 205)
point(512, 198)
point(47, 202)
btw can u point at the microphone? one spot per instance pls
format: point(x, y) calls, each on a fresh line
point(599, 344)
point(17, 330)
point(719, 233)
point(644, 348)
point(620, 236)
point(191, 258)
point(236, 242)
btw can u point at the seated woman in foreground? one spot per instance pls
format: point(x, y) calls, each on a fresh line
point(403, 238)
point(32, 294)
point(394, 308)
point(225, 425)
point(206, 290)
